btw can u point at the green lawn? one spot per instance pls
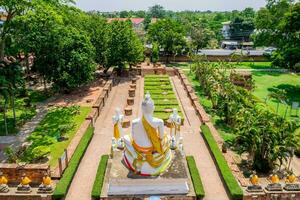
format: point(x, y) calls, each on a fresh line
point(223, 129)
point(23, 112)
point(47, 133)
point(156, 85)
point(267, 82)
point(242, 65)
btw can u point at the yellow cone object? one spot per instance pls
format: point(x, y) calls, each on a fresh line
point(274, 179)
point(47, 181)
point(3, 180)
point(25, 181)
point(254, 180)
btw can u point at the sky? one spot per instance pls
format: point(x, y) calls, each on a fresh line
point(202, 5)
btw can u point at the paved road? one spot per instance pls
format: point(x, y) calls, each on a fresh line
point(194, 144)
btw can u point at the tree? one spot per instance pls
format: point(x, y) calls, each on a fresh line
point(201, 37)
point(157, 11)
point(169, 34)
point(12, 8)
point(76, 65)
point(278, 25)
point(241, 29)
point(155, 53)
point(124, 45)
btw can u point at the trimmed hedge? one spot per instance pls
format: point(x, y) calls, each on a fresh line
point(198, 186)
point(98, 183)
point(230, 181)
point(63, 185)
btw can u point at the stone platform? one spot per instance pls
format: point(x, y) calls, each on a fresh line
point(120, 183)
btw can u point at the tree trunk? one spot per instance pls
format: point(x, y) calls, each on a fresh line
point(13, 107)
point(5, 119)
point(2, 49)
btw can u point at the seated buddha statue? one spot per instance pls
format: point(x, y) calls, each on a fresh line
point(3, 183)
point(46, 184)
point(24, 184)
point(147, 150)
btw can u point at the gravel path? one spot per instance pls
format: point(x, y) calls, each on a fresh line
point(82, 183)
point(195, 145)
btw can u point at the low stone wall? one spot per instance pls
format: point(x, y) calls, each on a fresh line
point(24, 197)
point(35, 172)
point(203, 116)
point(216, 58)
point(274, 195)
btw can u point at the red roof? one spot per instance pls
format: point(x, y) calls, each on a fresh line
point(133, 20)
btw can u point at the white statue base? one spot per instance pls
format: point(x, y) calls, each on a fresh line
point(122, 182)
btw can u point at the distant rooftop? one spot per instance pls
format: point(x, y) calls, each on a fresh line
point(133, 20)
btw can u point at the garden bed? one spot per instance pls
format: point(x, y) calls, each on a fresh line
point(99, 180)
point(198, 186)
point(162, 93)
point(53, 134)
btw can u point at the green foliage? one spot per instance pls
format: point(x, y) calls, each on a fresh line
point(155, 52)
point(169, 34)
point(266, 141)
point(58, 122)
point(230, 181)
point(124, 45)
point(64, 183)
point(278, 25)
point(99, 180)
point(198, 186)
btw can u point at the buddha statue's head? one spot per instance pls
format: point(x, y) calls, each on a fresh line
point(148, 105)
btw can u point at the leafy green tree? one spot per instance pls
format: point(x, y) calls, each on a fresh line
point(157, 11)
point(201, 37)
point(241, 29)
point(169, 34)
point(124, 45)
point(155, 52)
point(76, 65)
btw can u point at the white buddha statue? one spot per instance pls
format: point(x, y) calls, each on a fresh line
point(174, 125)
point(147, 149)
point(117, 140)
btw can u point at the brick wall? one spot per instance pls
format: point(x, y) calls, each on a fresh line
point(34, 171)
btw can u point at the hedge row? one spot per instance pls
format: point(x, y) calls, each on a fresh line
point(230, 181)
point(63, 185)
point(98, 183)
point(198, 186)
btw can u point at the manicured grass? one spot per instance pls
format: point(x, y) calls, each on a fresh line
point(162, 101)
point(65, 182)
point(241, 65)
point(24, 112)
point(229, 180)
point(198, 186)
point(99, 180)
point(267, 82)
point(48, 131)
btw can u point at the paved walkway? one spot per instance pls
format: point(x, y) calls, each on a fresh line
point(82, 183)
point(195, 145)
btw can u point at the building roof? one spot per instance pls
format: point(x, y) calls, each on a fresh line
point(133, 20)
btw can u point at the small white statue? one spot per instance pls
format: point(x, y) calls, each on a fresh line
point(175, 123)
point(117, 140)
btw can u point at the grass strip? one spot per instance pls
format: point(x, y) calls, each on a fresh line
point(230, 181)
point(198, 186)
point(63, 185)
point(98, 183)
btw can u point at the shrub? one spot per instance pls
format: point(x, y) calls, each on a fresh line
point(198, 186)
point(230, 181)
point(98, 183)
point(65, 182)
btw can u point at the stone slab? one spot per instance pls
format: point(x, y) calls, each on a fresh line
point(121, 183)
